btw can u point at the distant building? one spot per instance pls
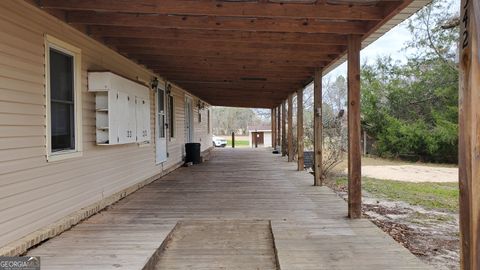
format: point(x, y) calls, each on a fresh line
point(260, 136)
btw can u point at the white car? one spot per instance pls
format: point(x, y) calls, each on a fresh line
point(219, 142)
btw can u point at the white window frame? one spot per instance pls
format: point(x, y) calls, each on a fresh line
point(54, 43)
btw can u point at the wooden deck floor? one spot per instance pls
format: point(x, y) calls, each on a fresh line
point(308, 223)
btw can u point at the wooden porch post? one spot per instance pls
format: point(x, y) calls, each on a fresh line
point(354, 146)
point(317, 127)
point(300, 163)
point(273, 120)
point(279, 133)
point(284, 130)
point(290, 129)
point(469, 140)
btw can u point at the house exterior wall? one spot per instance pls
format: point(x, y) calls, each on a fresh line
point(34, 192)
point(267, 138)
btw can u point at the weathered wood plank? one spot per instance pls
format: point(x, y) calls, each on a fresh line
point(284, 128)
point(218, 23)
point(300, 143)
point(100, 31)
point(290, 129)
point(222, 44)
point(213, 60)
point(213, 8)
point(225, 53)
point(317, 127)
point(469, 119)
point(273, 120)
point(279, 126)
point(354, 129)
point(219, 244)
point(226, 199)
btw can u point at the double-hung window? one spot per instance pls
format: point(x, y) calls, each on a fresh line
point(63, 94)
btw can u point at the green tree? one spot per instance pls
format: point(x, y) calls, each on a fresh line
point(411, 109)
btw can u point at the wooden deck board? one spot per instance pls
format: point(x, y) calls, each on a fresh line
point(219, 244)
point(309, 223)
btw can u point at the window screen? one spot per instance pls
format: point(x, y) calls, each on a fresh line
point(62, 101)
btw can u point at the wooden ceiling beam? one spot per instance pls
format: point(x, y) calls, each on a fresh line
point(217, 35)
point(239, 84)
point(225, 54)
point(227, 93)
point(265, 9)
point(224, 65)
point(228, 75)
point(218, 23)
point(263, 91)
point(236, 73)
point(248, 96)
point(224, 45)
point(248, 102)
point(253, 104)
point(199, 60)
point(178, 78)
point(200, 67)
point(292, 73)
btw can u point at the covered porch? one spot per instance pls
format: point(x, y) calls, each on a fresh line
point(256, 54)
point(306, 226)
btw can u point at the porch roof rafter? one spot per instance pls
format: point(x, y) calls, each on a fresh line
point(233, 53)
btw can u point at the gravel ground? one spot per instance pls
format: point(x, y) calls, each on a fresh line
point(433, 236)
point(411, 173)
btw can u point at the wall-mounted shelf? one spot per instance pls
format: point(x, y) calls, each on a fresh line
point(122, 109)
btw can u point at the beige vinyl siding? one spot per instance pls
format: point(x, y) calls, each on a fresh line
point(175, 145)
point(33, 192)
point(201, 129)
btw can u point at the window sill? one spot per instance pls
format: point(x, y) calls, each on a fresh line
point(63, 155)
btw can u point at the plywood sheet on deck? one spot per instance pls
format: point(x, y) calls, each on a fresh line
point(217, 244)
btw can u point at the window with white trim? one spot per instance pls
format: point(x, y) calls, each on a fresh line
point(63, 94)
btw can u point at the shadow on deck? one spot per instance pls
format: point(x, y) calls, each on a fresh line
point(236, 188)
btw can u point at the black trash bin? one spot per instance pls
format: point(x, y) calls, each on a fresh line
point(192, 151)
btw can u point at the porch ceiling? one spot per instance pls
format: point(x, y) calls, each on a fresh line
point(230, 53)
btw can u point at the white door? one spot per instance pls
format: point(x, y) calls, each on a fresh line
point(160, 127)
point(188, 120)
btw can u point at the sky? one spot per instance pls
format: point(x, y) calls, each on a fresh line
point(391, 44)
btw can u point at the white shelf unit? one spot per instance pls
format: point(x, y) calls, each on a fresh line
point(122, 109)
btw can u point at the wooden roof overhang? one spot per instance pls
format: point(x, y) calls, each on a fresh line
point(230, 53)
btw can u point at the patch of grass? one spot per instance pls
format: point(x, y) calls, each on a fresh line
point(238, 143)
point(439, 196)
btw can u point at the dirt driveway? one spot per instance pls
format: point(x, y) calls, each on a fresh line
point(411, 173)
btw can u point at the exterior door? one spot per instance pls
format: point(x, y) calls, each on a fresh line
point(160, 127)
point(188, 120)
point(257, 138)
